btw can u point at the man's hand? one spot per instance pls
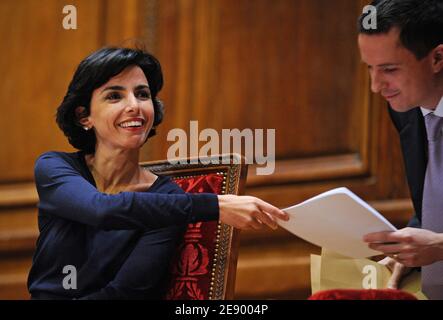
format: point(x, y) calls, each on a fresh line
point(398, 270)
point(411, 247)
point(246, 212)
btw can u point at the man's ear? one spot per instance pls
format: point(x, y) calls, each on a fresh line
point(437, 59)
point(82, 117)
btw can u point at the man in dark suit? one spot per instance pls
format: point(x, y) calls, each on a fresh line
point(404, 54)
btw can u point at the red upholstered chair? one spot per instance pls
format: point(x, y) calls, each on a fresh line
point(361, 294)
point(206, 261)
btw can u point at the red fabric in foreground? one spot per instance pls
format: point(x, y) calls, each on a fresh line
point(369, 294)
point(191, 268)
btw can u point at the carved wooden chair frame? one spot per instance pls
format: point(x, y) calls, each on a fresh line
point(234, 171)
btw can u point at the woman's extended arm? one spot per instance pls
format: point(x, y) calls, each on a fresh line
point(65, 193)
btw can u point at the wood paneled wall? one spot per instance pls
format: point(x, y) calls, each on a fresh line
point(38, 60)
point(288, 65)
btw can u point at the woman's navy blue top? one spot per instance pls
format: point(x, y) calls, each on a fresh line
point(94, 245)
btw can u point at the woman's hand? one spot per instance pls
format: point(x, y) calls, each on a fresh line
point(398, 270)
point(246, 212)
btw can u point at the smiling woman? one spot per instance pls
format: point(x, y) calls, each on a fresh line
point(114, 224)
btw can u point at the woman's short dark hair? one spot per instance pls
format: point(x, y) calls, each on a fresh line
point(94, 71)
point(420, 23)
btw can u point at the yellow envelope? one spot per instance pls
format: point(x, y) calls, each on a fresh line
point(315, 272)
point(334, 271)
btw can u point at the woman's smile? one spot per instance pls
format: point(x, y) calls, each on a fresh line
point(133, 124)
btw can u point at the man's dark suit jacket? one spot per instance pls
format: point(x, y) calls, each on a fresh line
point(411, 128)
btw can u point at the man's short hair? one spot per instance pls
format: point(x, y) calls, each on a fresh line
point(420, 23)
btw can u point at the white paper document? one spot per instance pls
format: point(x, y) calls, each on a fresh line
point(336, 220)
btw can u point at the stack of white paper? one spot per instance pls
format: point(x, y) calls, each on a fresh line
point(336, 220)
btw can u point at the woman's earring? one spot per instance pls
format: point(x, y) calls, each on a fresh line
point(86, 128)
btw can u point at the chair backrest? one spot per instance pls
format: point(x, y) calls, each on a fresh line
point(206, 262)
